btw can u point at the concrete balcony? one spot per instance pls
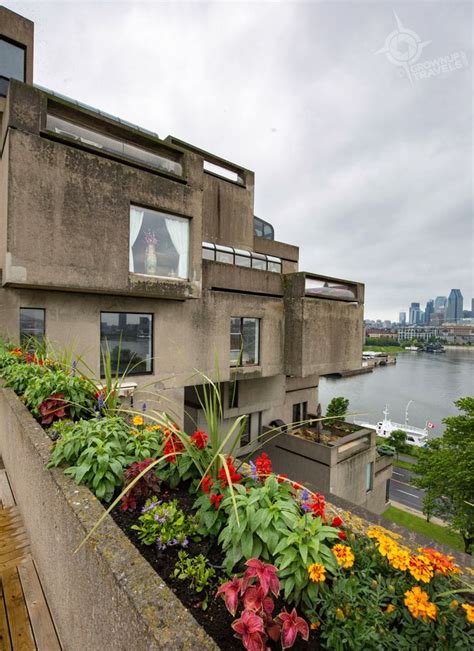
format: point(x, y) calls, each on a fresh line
point(228, 277)
point(324, 326)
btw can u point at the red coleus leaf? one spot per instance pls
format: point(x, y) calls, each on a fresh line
point(251, 629)
point(265, 573)
point(256, 600)
point(231, 591)
point(291, 625)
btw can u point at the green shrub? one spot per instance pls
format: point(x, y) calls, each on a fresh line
point(337, 408)
point(165, 524)
point(196, 571)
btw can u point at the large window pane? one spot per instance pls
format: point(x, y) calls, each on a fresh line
point(129, 338)
point(159, 243)
point(12, 60)
point(31, 324)
point(244, 341)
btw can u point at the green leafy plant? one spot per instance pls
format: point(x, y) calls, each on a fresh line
point(18, 376)
point(165, 524)
point(265, 514)
point(196, 571)
point(398, 440)
point(96, 451)
point(78, 397)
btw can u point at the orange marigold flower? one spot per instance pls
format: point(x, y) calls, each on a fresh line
point(315, 625)
point(138, 420)
point(317, 572)
point(399, 559)
point(389, 609)
point(454, 604)
point(469, 612)
point(344, 556)
point(420, 568)
point(441, 563)
point(339, 613)
point(418, 603)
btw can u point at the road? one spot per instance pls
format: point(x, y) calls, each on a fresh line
point(402, 491)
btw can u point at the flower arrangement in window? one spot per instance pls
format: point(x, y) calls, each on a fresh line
point(151, 259)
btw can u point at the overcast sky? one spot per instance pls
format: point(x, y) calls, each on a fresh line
point(369, 172)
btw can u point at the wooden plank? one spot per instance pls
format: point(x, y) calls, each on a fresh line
point(18, 622)
point(15, 555)
point(5, 644)
point(6, 495)
point(40, 618)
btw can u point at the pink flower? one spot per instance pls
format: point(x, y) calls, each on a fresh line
point(265, 573)
point(291, 626)
point(252, 631)
point(231, 591)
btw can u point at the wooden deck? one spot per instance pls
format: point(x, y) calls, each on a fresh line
point(25, 620)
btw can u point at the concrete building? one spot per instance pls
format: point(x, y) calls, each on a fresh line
point(455, 306)
point(420, 332)
point(110, 233)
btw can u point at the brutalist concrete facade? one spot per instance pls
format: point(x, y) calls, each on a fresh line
point(65, 248)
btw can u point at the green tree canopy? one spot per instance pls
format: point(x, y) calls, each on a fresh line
point(337, 408)
point(397, 440)
point(445, 469)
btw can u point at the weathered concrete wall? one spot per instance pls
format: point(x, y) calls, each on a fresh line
point(105, 597)
point(218, 275)
point(286, 252)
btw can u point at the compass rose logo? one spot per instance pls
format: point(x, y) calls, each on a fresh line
point(403, 47)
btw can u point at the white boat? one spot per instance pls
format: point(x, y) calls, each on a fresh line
point(415, 435)
point(415, 349)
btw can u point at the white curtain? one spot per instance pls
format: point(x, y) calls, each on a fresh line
point(178, 230)
point(136, 221)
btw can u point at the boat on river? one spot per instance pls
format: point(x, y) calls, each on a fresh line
point(416, 436)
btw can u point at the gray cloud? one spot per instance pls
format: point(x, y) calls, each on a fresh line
point(370, 175)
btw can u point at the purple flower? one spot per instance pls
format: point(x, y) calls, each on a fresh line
point(185, 543)
point(172, 542)
point(159, 544)
point(305, 495)
point(74, 366)
point(101, 401)
point(253, 471)
point(306, 507)
point(160, 520)
point(144, 407)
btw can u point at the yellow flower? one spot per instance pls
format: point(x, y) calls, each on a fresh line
point(339, 613)
point(315, 625)
point(454, 604)
point(317, 572)
point(469, 612)
point(418, 603)
point(134, 432)
point(344, 556)
point(138, 420)
point(390, 608)
point(152, 428)
point(420, 568)
point(399, 558)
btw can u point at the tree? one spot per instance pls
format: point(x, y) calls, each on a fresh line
point(397, 440)
point(337, 408)
point(445, 469)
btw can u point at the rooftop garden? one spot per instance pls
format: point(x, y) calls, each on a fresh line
point(260, 560)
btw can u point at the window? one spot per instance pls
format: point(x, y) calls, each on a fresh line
point(252, 429)
point(233, 394)
point(244, 341)
point(224, 172)
point(129, 337)
point(369, 480)
point(12, 63)
point(32, 321)
point(159, 243)
point(261, 228)
point(107, 143)
point(241, 258)
point(300, 412)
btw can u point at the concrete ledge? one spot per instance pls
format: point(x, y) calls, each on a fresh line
point(106, 597)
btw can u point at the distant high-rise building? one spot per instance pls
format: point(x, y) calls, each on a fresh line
point(429, 310)
point(414, 314)
point(472, 306)
point(454, 309)
point(440, 303)
point(402, 318)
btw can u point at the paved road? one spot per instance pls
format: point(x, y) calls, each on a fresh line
point(402, 491)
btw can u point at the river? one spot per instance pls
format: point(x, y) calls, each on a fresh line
point(433, 382)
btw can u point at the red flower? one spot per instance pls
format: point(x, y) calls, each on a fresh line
point(207, 484)
point(263, 466)
point(252, 631)
point(342, 535)
point(173, 444)
point(282, 477)
point(337, 522)
point(291, 626)
point(216, 499)
point(234, 476)
point(199, 440)
point(265, 573)
point(231, 591)
point(317, 506)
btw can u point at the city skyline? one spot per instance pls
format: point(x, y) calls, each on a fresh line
point(377, 189)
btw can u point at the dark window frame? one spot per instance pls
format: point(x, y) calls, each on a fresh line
point(21, 46)
point(43, 309)
point(152, 357)
point(258, 360)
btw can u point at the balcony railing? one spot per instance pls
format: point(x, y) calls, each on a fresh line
point(241, 258)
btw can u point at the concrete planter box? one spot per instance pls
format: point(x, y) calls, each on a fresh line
point(106, 597)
